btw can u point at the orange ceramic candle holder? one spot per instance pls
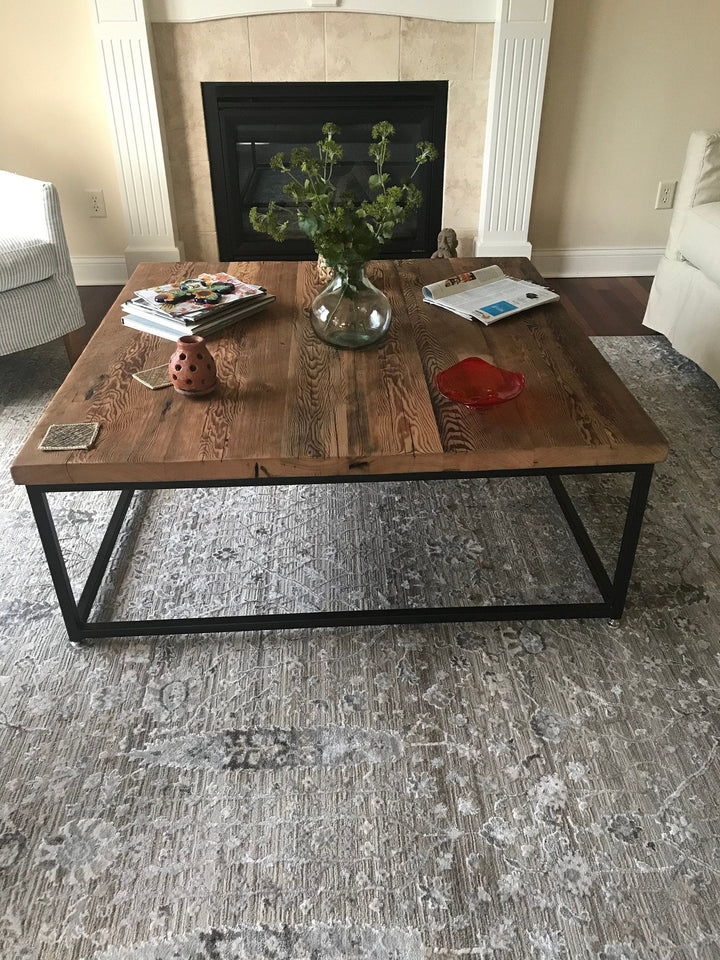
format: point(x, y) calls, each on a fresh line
point(192, 369)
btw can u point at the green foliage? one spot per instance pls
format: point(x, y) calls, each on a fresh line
point(342, 230)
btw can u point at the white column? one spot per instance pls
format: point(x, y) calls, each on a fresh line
point(520, 52)
point(134, 110)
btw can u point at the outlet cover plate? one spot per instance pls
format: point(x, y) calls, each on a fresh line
point(95, 200)
point(665, 195)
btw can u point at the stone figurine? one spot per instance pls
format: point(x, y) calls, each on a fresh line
point(447, 244)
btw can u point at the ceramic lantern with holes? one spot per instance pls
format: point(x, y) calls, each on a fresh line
point(192, 368)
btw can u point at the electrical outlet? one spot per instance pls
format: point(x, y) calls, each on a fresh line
point(665, 195)
point(95, 200)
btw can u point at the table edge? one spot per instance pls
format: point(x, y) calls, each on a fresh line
point(340, 470)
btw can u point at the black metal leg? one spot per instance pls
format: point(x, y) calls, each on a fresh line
point(97, 572)
point(56, 563)
point(630, 537)
point(582, 537)
point(613, 591)
point(75, 614)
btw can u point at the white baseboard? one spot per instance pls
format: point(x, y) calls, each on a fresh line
point(561, 262)
point(99, 271)
point(598, 262)
point(502, 248)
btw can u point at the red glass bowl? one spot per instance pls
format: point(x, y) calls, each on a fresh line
point(479, 384)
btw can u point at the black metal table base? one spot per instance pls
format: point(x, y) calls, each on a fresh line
point(612, 588)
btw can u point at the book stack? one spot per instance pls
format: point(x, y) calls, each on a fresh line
point(202, 305)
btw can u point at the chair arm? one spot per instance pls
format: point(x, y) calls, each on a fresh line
point(699, 183)
point(31, 209)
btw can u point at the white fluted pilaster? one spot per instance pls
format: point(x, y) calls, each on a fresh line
point(520, 52)
point(136, 124)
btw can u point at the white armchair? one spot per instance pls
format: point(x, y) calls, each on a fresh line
point(684, 301)
point(38, 297)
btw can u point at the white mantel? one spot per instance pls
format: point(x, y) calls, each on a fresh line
point(187, 11)
point(517, 79)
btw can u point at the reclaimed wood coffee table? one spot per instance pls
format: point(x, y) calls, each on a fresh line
point(290, 409)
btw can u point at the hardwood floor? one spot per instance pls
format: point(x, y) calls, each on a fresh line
point(95, 302)
point(604, 306)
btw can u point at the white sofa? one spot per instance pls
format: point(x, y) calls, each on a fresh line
point(39, 301)
point(684, 301)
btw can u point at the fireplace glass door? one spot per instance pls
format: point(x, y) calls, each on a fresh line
point(248, 123)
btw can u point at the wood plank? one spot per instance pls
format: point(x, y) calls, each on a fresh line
point(572, 398)
point(96, 301)
point(401, 375)
point(290, 406)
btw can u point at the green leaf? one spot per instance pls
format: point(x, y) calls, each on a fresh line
point(308, 225)
point(342, 228)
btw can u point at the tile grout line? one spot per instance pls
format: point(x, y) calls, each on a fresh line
point(474, 63)
point(400, 47)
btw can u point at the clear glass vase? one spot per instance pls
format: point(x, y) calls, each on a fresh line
point(350, 312)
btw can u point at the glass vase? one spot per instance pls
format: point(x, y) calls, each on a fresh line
point(350, 312)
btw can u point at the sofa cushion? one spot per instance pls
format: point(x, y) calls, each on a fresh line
point(699, 183)
point(700, 239)
point(24, 261)
point(703, 160)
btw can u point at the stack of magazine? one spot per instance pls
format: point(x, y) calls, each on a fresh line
point(171, 320)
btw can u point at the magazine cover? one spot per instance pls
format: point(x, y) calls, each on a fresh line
point(241, 291)
point(486, 295)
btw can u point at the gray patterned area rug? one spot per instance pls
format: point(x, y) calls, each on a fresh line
point(538, 792)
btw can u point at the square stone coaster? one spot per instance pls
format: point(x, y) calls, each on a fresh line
point(70, 436)
point(154, 377)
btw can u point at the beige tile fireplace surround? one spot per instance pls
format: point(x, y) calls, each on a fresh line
point(331, 47)
point(156, 53)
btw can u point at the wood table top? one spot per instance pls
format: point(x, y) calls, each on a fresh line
point(289, 406)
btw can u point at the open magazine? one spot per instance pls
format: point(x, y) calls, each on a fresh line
point(486, 295)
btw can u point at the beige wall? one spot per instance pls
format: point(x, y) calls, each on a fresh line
point(628, 80)
point(53, 124)
point(325, 46)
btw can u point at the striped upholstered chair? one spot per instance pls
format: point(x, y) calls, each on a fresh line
point(38, 297)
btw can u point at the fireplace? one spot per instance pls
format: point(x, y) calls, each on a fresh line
point(155, 54)
point(248, 123)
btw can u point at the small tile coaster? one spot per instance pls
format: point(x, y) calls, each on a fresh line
point(70, 436)
point(154, 377)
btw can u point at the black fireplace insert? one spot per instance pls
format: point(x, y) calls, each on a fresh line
point(248, 123)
